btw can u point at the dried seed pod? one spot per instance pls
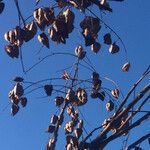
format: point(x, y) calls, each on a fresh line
point(54, 119)
point(107, 39)
point(12, 51)
point(69, 146)
point(23, 101)
point(95, 47)
point(115, 93)
point(43, 39)
point(65, 76)
point(48, 89)
point(69, 127)
point(54, 35)
point(80, 124)
point(69, 18)
point(70, 110)
point(82, 96)
point(95, 76)
point(50, 145)
point(30, 31)
point(80, 52)
point(78, 132)
point(2, 5)
point(59, 100)
point(70, 96)
point(18, 90)
point(18, 79)
point(114, 48)
point(14, 109)
point(126, 67)
point(60, 120)
point(94, 94)
point(109, 106)
point(51, 129)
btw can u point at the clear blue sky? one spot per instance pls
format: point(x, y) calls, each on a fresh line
point(26, 131)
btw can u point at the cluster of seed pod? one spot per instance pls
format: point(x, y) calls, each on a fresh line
point(73, 128)
point(62, 26)
point(90, 28)
point(96, 87)
point(16, 97)
point(17, 36)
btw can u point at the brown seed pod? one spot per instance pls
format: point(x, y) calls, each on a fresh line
point(18, 90)
point(14, 109)
point(70, 96)
point(54, 35)
point(43, 39)
point(80, 124)
point(12, 51)
point(95, 47)
point(59, 100)
point(101, 95)
point(50, 145)
point(126, 67)
point(114, 48)
point(23, 101)
point(69, 146)
point(2, 5)
point(70, 110)
point(80, 52)
point(60, 120)
point(109, 106)
point(48, 89)
point(107, 39)
point(78, 132)
point(69, 127)
point(81, 96)
point(65, 76)
point(95, 76)
point(30, 31)
point(54, 119)
point(115, 93)
point(51, 129)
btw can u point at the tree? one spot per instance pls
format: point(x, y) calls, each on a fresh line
point(74, 88)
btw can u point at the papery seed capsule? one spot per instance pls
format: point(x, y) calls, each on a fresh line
point(48, 89)
point(126, 67)
point(43, 39)
point(110, 106)
point(114, 48)
point(115, 93)
point(107, 39)
point(95, 47)
point(23, 101)
point(14, 109)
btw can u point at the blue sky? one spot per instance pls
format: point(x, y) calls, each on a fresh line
point(26, 131)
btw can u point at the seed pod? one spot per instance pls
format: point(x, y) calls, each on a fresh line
point(69, 127)
point(65, 76)
point(50, 145)
point(110, 106)
point(18, 90)
point(51, 129)
point(80, 124)
point(23, 101)
point(59, 100)
point(12, 51)
point(48, 89)
point(18, 79)
point(30, 31)
point(115, 93)
point(54, 119)
point(70, 110)
point(70, 96)
point(95, 76)
point(126, 67)
point(43, 39)
point(94, 94)
point(114, 48)
point(60, 120)
point(2, 5)
point(82, 96)
point(14, 109)
point(78, 132)
point(80, 52)
point(107, 39)
point(95, 47)
point(69, 146)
